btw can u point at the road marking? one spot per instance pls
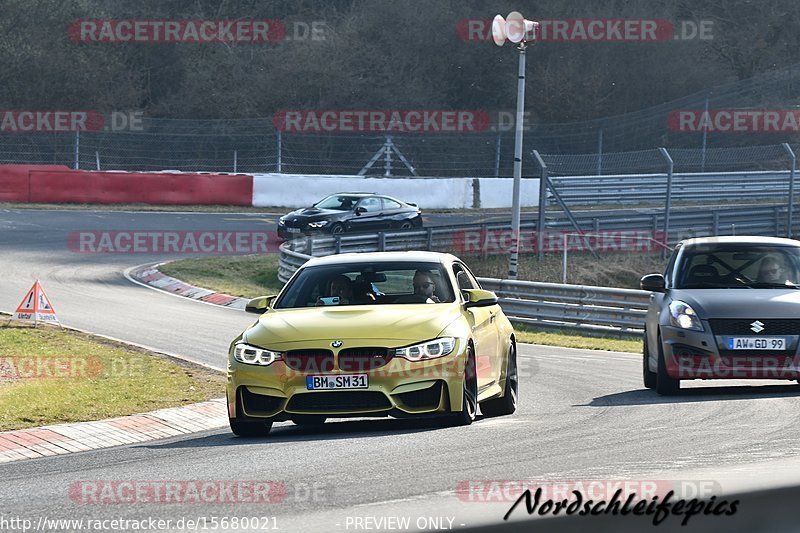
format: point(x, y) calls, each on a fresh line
point(251, 219)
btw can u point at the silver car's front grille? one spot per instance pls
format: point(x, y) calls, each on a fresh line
point(744, 326)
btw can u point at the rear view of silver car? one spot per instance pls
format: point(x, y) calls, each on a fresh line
point(725, 308)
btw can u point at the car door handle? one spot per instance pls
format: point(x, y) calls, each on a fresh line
point(491, 317)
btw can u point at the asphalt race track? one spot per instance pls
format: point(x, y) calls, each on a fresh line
point(583, 415)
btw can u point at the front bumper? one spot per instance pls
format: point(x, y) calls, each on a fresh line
point(287, 234)
point(703, 355)
point(400, 388)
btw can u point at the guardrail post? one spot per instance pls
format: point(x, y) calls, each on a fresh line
point(235, 161)
point(381, 241)
point(542, 203)
point(777, 221)
point(715, 223)
point(337, 240)
point(789, 217)
point(484, 251)
point(668, 202)
point(309, 246)
point(705, 136)
point(596, 225)
point(429, 244)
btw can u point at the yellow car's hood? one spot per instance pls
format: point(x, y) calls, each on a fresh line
point(396, 324)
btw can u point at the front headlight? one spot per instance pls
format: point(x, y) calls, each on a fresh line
point(253, 355)
point(318, 224)
point(427, 350)
point(281, 221)
point(681, 315)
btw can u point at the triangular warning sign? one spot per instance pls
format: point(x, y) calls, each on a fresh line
point(36, 306)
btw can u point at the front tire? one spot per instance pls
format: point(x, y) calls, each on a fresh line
point(406, 225)
point(650, 378)
point(337, 229)
point(469, 404)
point(507, 403)
point(665, 384)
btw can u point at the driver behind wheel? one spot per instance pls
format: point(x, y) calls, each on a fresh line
point(771, 270)
point(424, 286)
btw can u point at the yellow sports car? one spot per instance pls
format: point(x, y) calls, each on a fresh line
point(403, 334)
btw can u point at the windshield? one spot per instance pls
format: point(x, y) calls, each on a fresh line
point(727, 266)
point(367, 283)
point(338, 202)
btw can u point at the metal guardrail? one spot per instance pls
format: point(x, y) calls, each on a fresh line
point(640, 188)
point(583, 307)
point(549, 304)
point(743, 220)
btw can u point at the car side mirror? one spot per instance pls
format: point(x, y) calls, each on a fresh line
point(653, 283)
point(260, 305)
point(360, 210)
point(479, 298)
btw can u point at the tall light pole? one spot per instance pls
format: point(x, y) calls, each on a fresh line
point(517, 30)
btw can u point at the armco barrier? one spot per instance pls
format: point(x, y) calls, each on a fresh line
point(582, 307)
point(57, 184)
point(688, 187)
point(585, 307)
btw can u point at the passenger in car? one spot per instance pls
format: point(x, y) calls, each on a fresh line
point(424, 285)
point(339, 286)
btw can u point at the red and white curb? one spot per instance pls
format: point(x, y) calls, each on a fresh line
point(150, 276)
point(84, 436)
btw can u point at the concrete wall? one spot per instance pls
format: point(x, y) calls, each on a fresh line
point(292, 190)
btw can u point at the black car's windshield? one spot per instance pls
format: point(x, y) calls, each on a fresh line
point(367, 283)
point(338, 202)
point(730, 265)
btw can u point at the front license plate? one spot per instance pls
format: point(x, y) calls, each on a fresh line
point(343, 381)
point(756, 343)
point(292, 230)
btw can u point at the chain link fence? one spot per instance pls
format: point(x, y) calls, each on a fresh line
point(703, 132)
point(254, 146)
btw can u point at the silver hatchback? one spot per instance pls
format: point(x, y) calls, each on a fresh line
point(725, 308)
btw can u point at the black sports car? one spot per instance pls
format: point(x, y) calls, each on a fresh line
point(347, 211)
point(725, 308)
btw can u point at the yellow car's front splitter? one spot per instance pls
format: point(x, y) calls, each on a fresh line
point(398, 388)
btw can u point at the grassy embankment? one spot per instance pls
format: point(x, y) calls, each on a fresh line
point(50, 376)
